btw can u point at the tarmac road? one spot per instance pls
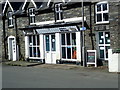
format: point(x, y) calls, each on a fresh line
point(39, 77)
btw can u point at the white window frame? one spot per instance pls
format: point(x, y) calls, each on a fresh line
point(34, 46)
point(102, 45)
point(10, 19)
point(31, 16)
point(102, 12)
point(66, 59)
point(59, 11)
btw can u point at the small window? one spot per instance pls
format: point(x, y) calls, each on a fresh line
point(58, 11)
point(102, 13)
point(10, 19)
point(31, 12)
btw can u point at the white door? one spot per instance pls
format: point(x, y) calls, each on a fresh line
point(50, 49)
point(12, 48)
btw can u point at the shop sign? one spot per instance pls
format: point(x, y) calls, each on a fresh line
point(91, 57)
point(83, 28)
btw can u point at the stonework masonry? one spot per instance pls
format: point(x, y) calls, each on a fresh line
point(90, 34)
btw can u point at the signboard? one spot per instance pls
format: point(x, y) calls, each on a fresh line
point(91, 57)
point(83, 28)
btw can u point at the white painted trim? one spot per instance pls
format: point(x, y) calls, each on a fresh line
point(51, 1)
point(75, 19)
point(7, 2)
point(102, 12)
point(26, 2)
point(15, 52)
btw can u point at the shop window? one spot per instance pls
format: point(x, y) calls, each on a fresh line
point(58, 11)
point(10, 19)
point(34, 48)
point(68, 46)
point(31, 12)
point(102, 12)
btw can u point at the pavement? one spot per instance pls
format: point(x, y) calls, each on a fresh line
point(56, 66)
point(21, 63)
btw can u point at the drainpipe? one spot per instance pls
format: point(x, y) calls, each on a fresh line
point(4, 36)
point(83, 37)
point(16, 37)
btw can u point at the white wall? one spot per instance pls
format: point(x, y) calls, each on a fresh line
point(114, 61)
point(42, 52)
point(78, 44)
point(58, 43)
point(26, 47)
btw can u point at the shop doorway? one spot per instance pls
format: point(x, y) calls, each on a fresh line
point(50, 49)
point(103, 44)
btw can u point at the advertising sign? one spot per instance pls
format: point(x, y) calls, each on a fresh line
point(91, 57)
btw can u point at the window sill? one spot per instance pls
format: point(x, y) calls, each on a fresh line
point(10, 26)
point(105, 22)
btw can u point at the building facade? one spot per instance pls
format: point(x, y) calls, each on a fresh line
point(51, 32)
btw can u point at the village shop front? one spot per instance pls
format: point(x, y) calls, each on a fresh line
point(53, 45)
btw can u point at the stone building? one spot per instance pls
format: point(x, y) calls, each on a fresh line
point(51, 32)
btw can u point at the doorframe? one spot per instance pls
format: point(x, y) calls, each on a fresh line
point(12, 37)
point(49, 44)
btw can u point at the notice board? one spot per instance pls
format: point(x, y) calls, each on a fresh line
point(91, 57)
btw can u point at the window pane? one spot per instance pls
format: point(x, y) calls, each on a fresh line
point(68, 38)
point(98, 7)
point(107, 37)
point(34, 40)
point(64, 52)
point(38, 51)
point(99, 17)
point(101, 38)
point(34, 52)
point(104, 6)
point(106, 50)
point(105, 16)
point(73, 39)
point(68, 52)
point(63, 39)
point(74, 53)
point(101, 52)
point(30, 51)
point(30, 40)
point(53, 48)
point(47, 43)
point(38, 40)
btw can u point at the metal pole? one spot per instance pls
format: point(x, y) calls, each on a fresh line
point(83, 36)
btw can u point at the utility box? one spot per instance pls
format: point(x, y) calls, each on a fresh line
point(113, 61)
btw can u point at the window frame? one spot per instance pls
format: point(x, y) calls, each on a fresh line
point(34, 44)
point(71, 45)
point(102, 12)
point(58, 11)
point(31, 16)
point(10, 19)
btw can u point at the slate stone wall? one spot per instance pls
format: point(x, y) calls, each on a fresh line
point(92, 28)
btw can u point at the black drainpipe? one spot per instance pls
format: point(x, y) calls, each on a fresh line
point(16, 32)
point(91, 34)
point(4, 37)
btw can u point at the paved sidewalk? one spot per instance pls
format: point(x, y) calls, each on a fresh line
point(56, 66)
point(21, 63)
